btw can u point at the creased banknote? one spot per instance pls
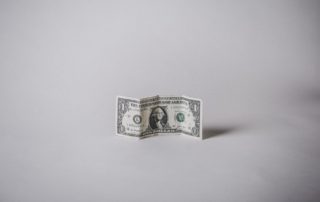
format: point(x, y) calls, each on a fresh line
point(159, 115)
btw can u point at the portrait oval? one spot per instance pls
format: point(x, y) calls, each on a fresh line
point(158, 118)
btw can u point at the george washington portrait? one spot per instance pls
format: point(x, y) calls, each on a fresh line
point(158, 118)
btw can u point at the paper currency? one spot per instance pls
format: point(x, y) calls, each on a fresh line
point(159, 115)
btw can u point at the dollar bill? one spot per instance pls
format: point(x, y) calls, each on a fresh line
point(159, 115)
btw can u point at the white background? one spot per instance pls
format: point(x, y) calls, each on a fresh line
point(255, 65)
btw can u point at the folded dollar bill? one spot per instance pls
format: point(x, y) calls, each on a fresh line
point(159, 115)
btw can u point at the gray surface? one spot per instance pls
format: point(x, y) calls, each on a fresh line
point(254, 64)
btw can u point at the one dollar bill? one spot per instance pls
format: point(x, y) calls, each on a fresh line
point(158, 115)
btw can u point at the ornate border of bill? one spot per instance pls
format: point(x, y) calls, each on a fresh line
point(158, 115)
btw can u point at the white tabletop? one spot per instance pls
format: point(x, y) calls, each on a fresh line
point(254, 64)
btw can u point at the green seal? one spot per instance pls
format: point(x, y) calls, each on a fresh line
point(180, 117)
